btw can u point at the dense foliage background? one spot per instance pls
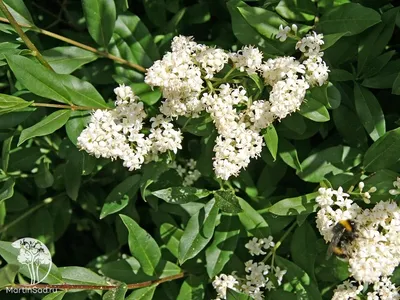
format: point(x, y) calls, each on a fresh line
point(347, 131)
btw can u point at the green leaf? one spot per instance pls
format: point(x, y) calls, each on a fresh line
point(376, 39)
point(295, 206)
point(234, 295)
point(331, 160)
point(179, 195)
point(145, 293)
point(80, 275)
point(227, 202)
point(5, 153)
point(384, 153)
point(7, 275)
point(252, 221)
point(223, 245)
point(55, 296)
point(24, 159)
point(374, 66)
point(351, 18)
point(396, 85)
point(250, 23)
point(298, 280)
point(143, 247)
point(271, 139)
point(116, 294)
point(297, 10)
point(370, 112)
point(382, 180)
point(331, 39)
point(76, 123)
point(314, 110)
point(130, 29)
point(44, 178)
point(192, 288)
point(198, 232)
point(119, 197)
point(155, 10)
point(7, 190)
point(67, 59)
point(385, 78)
point(303, 250)
point(46, 126)
point(328, 95)
point(73, 171)
point(38, 79)
point(288, 153)
point(295, 123)
point(171, 235)
point(82, 92)
point(349, 126)
point(100, 18)
point(19, 11)
point(11, 103)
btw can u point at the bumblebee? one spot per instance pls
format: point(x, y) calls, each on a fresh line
point(344, 232)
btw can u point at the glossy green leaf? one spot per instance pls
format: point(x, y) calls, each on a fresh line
point(120, 196)
point(385, 78)
point(75, 124)
point(297, 10)
point(382, 180)
point(327, 94)
point(116, 294)
point(331, 160)
point(179, 195)
point(288, 153)
point(314, 110)
point(7, 189)
point(80, 275)
point(331, 39)
point(302, 248)
point(55, 296)
point(37, 79)
point(295, 206)
point(271, 139)
point(198, 232)
point(396, 85)
point(5, 153)
point(370, 112)
point(67, 59)
point(235, 295)
point(223, 245)
point(227, 202)
point(192, 288)
point(24, 159)
point(252, 221)
point(44, 178)
point(351, 18)
point(384, 153)
point(7, 274)
point(11, 103)
point(143, 247)
point(299, 280)
point(145, 293)
point(46, 126)
point(100, 18)
point(19, 11)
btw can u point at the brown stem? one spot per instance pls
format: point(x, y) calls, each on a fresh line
point(98, 287)
point(72, 107)
point(23, 36)
point(80, 45)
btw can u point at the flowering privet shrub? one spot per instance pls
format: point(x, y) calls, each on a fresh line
point(201, 149)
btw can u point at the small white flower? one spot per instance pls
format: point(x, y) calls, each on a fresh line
point(282, 33)
point(222, 282)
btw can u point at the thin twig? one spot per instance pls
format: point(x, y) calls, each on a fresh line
point(97, 287)
point(80, 45)
point(23, 36)
point(71, 107)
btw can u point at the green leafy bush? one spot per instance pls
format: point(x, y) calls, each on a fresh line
point(157, 166)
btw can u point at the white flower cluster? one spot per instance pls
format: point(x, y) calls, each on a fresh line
point(184, 76)
point(375, 253)
point(117, 133)
point(189, 173)
point(381, 290)
point(257, 274)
